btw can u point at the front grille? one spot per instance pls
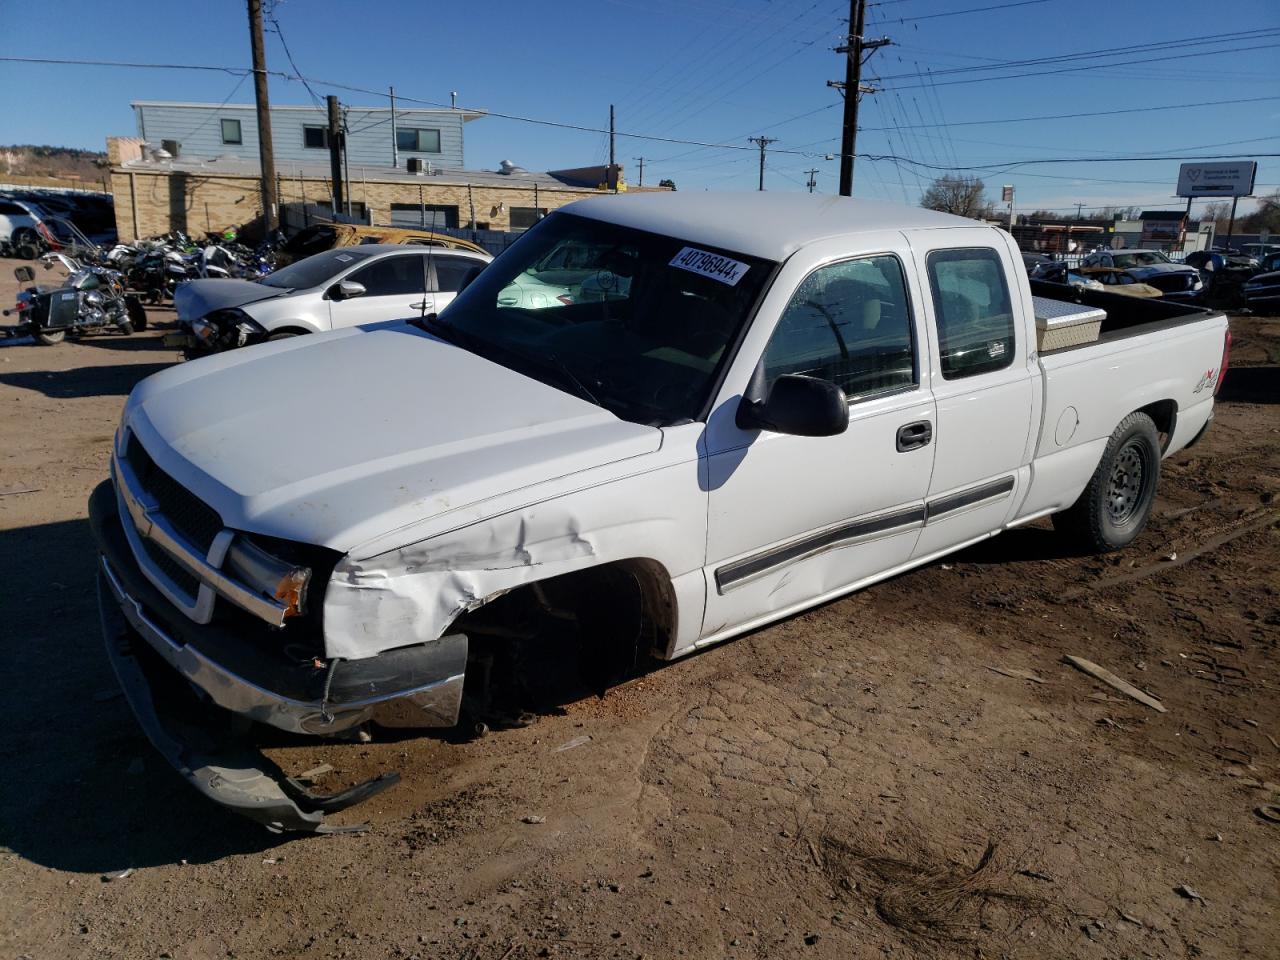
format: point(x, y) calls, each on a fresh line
point(181, 578)
point(194, 519)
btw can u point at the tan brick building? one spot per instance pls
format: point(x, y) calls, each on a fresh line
point(155, 196)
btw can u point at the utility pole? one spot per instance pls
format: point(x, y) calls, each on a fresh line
point(640, 160)
point(853, 88)
point(335, 151)
point(395, 140)
point(266, 155)
point(1079, 207)
point(813, 178)
point(763, 142)
point(612, 178)
point(346, 165)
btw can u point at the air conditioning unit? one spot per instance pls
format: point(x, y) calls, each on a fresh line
point(414, 165)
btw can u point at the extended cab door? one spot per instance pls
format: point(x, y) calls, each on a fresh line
point(983, 384)
point(395, 287)
point(795, 519)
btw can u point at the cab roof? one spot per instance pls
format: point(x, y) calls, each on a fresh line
point(768, 225)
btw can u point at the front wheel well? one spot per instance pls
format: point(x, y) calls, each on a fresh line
point(556, 640)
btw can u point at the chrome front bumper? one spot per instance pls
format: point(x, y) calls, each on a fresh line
point(433, 704)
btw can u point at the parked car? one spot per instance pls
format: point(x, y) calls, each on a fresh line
point(1055, 271)
point(1262, 291)
point(329, 236)
point(341, 288)
point(23, 232)
point(1259, 250)
point(1037, 261)
point(1151, 267)
point(409, 523)
point(1120, 281)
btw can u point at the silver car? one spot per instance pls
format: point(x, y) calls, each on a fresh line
point(344, 287)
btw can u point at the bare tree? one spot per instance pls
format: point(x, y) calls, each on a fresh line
point(1219, 212)
point(1266, 217)
point(963, 196)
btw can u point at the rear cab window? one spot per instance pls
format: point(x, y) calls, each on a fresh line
point(973, 311)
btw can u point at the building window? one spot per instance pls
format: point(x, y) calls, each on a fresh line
point(522, 218)
point(414, 140)
point(231, 132)
point(315, 138)
point(424, 215)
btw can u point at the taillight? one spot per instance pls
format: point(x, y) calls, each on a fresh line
point(1226, 359)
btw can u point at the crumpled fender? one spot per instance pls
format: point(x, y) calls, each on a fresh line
point(382, 598)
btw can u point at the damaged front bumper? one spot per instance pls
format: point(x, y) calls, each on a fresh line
point(186, 696)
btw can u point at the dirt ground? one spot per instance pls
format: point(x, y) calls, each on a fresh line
point(860, 781)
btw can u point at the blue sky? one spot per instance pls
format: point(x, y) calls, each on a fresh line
point(715, 71)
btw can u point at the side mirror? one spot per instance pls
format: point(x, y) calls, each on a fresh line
point(346, 289)
point(800, 406)
point(24, 274)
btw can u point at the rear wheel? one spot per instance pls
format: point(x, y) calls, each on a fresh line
point(49, 337)
point(1115, 505)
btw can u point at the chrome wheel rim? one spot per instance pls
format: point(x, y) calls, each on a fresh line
point(1127, 482)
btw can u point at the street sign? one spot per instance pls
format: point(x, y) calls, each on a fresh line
point(1234, 179)
point(1006, 193)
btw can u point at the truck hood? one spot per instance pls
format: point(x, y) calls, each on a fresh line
point(195, 298)
point(336, 438)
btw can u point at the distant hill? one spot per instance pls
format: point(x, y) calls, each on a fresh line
point(28, 160)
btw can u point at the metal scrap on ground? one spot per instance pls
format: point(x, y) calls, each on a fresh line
point(1111, 680)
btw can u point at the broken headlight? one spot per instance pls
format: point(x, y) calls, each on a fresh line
point(269, 575)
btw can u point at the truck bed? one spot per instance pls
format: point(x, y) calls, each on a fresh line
point(1126, 316)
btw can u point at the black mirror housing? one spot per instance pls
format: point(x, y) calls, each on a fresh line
point(800, 406)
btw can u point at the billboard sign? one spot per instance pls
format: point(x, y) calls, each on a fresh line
point(1227, 179)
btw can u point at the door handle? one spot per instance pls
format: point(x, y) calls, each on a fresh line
point(913, 436)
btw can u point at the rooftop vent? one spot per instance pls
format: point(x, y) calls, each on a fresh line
point(508, 168)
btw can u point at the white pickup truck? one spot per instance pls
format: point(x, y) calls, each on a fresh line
point(787, 398)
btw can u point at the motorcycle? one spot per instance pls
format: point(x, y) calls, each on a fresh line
point(92, 299)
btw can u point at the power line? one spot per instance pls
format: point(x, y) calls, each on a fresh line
point(1094, 113)
point(1091, 66)
point(652, 137)
point(956, 13)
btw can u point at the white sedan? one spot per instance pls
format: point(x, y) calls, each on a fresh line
point(339, 288)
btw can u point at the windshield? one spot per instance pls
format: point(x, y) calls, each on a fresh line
point(315, 271)
point(635, 322)
point(1140, 258)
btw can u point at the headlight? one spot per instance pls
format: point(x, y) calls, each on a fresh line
point(247, 329)
point(204, 331)
point(269, 575)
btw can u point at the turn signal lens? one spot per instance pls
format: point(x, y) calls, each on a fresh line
point(270, 576)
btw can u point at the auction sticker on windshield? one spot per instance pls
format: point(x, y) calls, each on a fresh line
point(713, 265)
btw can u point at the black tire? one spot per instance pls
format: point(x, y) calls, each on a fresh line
point(26, 243)
point(283, 335)
point(125, 327)
point(1115, 505)
point(137, 315)
point(49, 337)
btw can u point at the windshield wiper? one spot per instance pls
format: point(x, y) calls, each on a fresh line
point(579, 387)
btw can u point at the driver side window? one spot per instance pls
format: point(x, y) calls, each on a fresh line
point(848, 323)
point(392, 276)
